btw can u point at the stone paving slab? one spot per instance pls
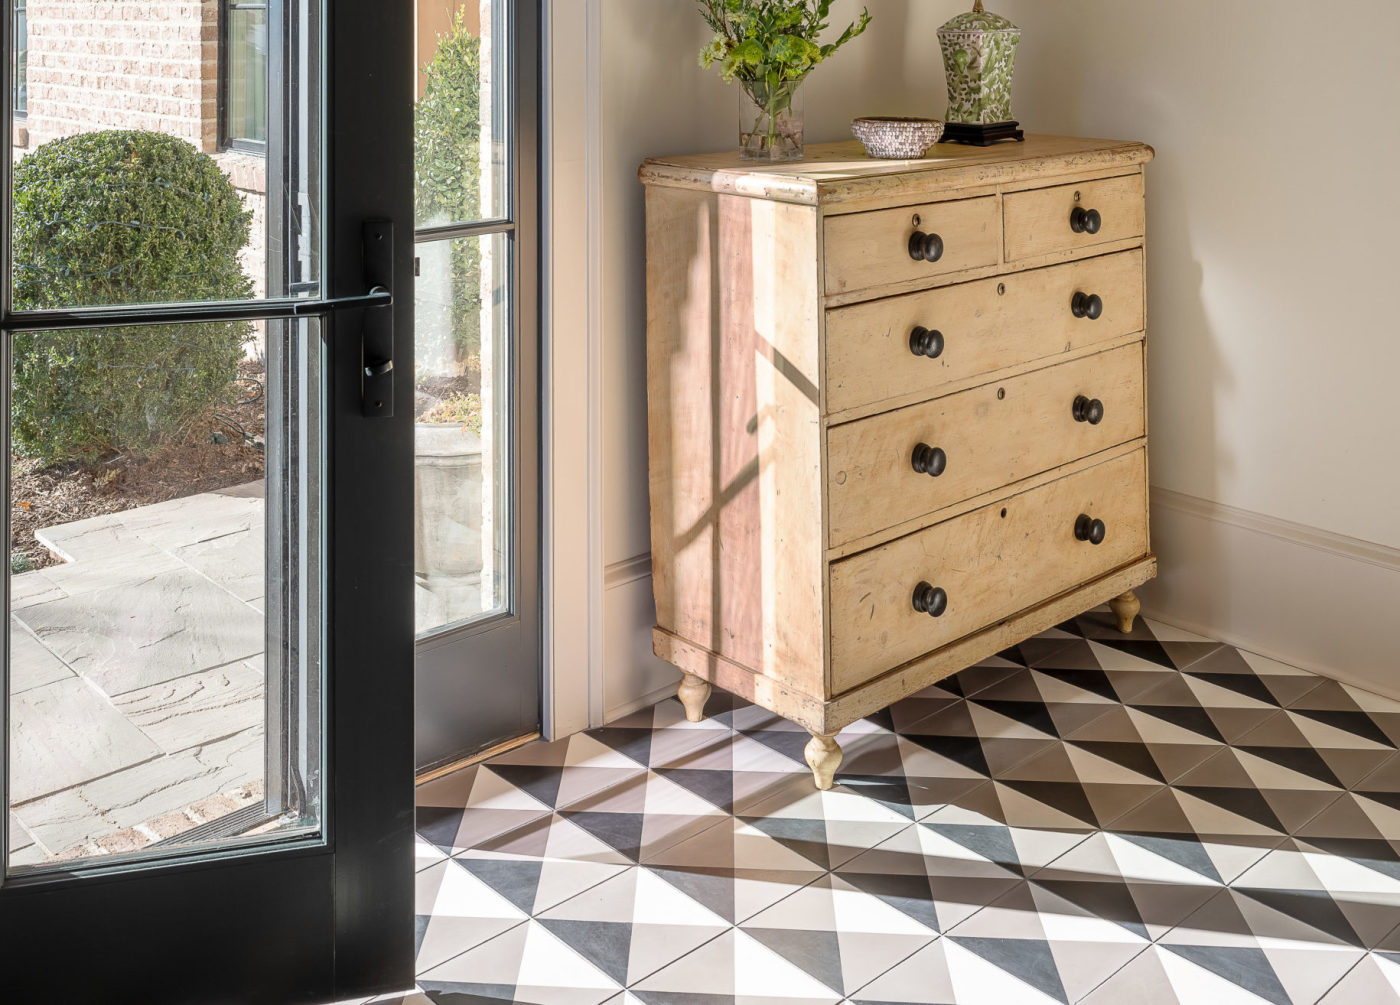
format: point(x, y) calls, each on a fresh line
point(234, 561)
point(31, 664)
point(197, 708)
point(148, 632)
point(129, 560)
point(30, 588)
point(65, 733)
point(181, 522)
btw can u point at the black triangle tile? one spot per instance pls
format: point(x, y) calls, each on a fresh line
point(815, 953)
point(711, 887)
point(1194, 719)
point(1027, 713)
point(632, 742)
point(789, 742)
point(605, 944)
point(1143, 649)
point(1248, 803)
point(883, 718)
point(517, 880)
point(1094, 680)
point(457, 993)
point(1311, 907)
point(962, 750)
point(622, 831)
point(910, 895)
point(1304, 760)
point(1133, 756)
point(991, 841)
point(1107, 899)
point(714, 786)
point(1070, 627)
point(439, 825)
point(1241, 966)
point(1066, 797)
point(890, 791)
point(539, 780)
point(1030, 960)
point(1185, 851)
point(804, 836)
point(1355, 723)
point(1242, 684)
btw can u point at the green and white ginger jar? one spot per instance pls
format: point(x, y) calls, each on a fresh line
point(979, 55)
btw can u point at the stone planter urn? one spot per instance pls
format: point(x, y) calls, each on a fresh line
point(447, 514)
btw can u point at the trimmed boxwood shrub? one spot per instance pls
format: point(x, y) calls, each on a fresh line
point(447, 169)
point(122, 217)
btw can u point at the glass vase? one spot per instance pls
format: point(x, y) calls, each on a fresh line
point(770, 121)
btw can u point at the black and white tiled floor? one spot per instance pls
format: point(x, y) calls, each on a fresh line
point(1091, 817)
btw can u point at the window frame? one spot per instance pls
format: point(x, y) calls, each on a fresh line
point(223, 68)
point(21, 51)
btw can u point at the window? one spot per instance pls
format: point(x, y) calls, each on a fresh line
point(243, 76)
point(21, 67)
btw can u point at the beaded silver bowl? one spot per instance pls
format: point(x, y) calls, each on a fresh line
point(895, 138)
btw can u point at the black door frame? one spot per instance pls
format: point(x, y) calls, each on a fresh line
point(309, 920)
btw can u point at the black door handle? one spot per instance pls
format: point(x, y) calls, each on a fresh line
point(377, 336)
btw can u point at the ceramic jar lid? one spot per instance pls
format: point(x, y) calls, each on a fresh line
point(979, 22)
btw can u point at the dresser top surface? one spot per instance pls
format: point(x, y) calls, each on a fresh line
point(836, 172)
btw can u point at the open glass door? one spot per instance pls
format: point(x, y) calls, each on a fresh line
point(208, 665)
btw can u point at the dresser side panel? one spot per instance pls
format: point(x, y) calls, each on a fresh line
point(734, 428)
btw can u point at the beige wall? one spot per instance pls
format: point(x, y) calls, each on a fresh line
point(1273, 215)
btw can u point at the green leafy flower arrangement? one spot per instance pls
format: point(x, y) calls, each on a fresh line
point(770, 46)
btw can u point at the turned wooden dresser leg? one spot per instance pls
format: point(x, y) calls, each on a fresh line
point(1125, 609)
point(693, 693)
point(823, 757)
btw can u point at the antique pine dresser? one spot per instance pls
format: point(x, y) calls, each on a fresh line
point(896, 415)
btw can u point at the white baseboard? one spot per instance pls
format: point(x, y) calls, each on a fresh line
point(633, 677)
point(1307, 597)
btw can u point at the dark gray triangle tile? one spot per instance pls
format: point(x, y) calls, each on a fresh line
point(908, 894)
point(1304, 760)
point(681, 998)
point(1312, 907)
point(1355, 723)
point(1095, 681)
point(993, 842)
point(1105, 898)
point(1248, 803)
point(963, 750)
point(622, 831)
point(1193, 719)
point(455, 993)
point(817, 954)
point(439, 825)
point(1143, 649)
point(420, 928)
point(517, 880)
point(713, 786)
point(1027, 959)
point(1184, 851)
point(605, 944)
point(539, 780)
point(632, 742)
point(1066, 797)
point(789, 742)
point(806, 837)
point(1028, 713)
point(1243, 967)
point(1375, 854)
point(1242, 684)
point(1133, 756)
point(883, 718)
point(890, 791)
point(712, 887)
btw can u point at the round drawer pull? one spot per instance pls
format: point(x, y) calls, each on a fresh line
point(930, 600)
point(1088, 529)
point(1085, 221)
point(925, 247)
point(929, 460)
point(1088, 410)
point(926, 342)
point(1086, 305)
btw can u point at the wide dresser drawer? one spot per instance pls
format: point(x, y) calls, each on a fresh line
point(1064, 218)
point(905, 464)
point(913, 344)
point(983, 566)
point(869, 250)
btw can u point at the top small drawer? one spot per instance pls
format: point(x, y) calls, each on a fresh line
point(866, 250)
point(1068, 217)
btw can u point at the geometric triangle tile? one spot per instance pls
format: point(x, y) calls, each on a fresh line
point(457, 911)
point(534, 962)
point(1372, 981)
point(980, 970)
point(738, 965)
point(922, 979)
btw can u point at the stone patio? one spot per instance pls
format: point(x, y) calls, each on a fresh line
point(137, 676)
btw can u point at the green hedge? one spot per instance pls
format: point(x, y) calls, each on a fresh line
point(122, 217)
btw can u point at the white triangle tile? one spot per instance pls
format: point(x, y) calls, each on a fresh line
point(977, 980)
point(425, 854)
point(761, 973)
point(1136, 862)
point(1143, 981)
point(491, 791)
point(584, 751)
point(1308, 971)
point(1267, 775)
point(918, 980)
point(1193, 983)
point(1265, 665)
point(1323, 736)
point(546, 962)
point(1369, 701)
point(1371, 982)
point(1116, 659)
point(460, 894)
point(858, 911)
point(664, 796)
point(991, 724)
point(1170, 633)
point(1092, 767)
point(867, 955)
point(1211, 695)
point(1155, 730)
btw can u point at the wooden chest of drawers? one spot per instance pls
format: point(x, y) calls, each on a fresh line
point(896, 415)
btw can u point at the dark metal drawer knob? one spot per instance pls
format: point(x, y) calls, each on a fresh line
point(1085, 221)
point(930, 600)
point(925, 247)
point(926, 342)
point(1088, 410)
point(1086, 305)
point(929, 460)
point(1088, 529)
